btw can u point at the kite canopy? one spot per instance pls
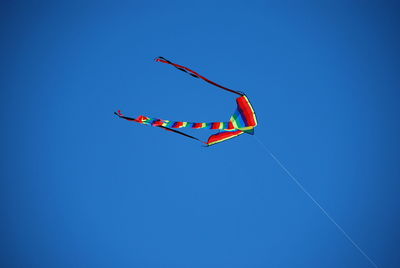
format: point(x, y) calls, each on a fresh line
point(244, 118)
point(242, 121)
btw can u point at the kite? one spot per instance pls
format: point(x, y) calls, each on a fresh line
point(242, 121)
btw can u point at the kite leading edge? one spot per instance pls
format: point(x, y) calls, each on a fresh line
point(242, 121)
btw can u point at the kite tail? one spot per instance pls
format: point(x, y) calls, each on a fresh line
point(143, 120)
point(195, 74)
point(120, 115)
point(212, 125)
point(156, 122)
point(213, 139)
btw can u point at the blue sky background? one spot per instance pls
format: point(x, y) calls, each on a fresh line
point(81, 188)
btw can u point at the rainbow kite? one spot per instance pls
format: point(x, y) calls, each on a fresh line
point(242, 121)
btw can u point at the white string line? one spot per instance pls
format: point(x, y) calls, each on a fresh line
point(316, 203)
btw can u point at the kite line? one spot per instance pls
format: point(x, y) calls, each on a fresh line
point(297, 182)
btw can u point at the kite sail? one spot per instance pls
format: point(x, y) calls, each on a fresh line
point(242, 121)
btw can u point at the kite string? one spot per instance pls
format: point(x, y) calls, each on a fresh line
point(315, 202)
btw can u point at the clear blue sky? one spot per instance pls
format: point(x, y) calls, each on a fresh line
point(81, 188)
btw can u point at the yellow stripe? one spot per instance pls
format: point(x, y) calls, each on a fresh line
point(235, 125)
point(245, 128)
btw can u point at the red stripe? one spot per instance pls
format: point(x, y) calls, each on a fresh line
point(197, 125)
point(215, 125)
point(223, 135)
point(177, 125)
point(247, 110)
point(157, 123)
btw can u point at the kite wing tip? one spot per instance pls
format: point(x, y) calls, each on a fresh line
point(249, 131)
